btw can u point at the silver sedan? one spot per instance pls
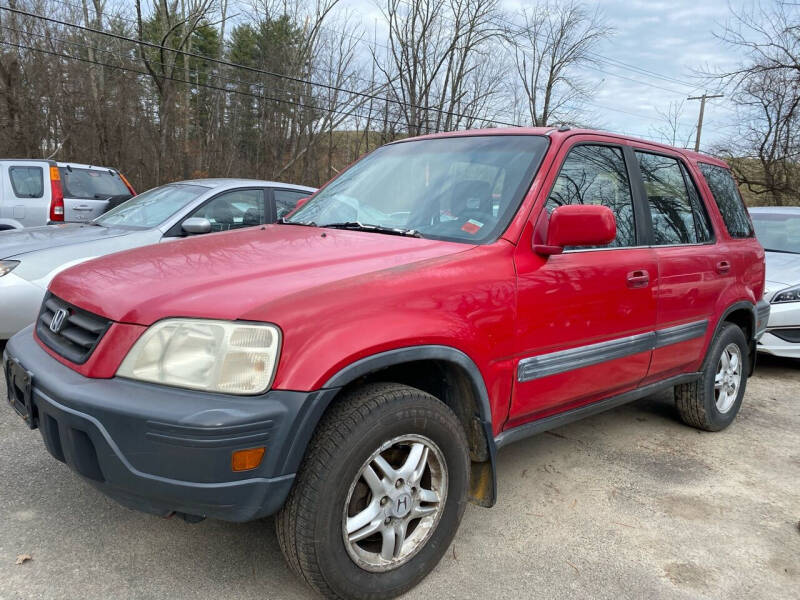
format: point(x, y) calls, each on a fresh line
point(778, 230)
point(30, 258)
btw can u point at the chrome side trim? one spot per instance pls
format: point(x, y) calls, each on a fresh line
point(680, 333)
point(543, 365)
point(535, 367)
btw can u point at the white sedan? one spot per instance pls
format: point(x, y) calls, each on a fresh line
point(778, 230)
point(31, 257)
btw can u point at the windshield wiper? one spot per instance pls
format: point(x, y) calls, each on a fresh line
point(358, 226)
point(781, 251)
point(283, 221)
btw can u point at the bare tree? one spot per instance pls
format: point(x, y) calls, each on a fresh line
point(435, 65)
point(765, 89)
point(553, 42)
point(671, 130)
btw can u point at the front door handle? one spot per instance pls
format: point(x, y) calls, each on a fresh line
point(723, 267)
point(638, 279)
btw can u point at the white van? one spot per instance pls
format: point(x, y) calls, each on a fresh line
point(36, 192)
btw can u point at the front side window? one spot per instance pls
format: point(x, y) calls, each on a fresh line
point(27, 182)
point(677, 215)
point(593, 174)
point(461, 189)
point(151, 208)
point(726, 195)
point(233, 210)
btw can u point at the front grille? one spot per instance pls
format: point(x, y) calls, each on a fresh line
point(79, 333)
point(787, 334)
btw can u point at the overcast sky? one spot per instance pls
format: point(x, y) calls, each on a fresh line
point(671, 39)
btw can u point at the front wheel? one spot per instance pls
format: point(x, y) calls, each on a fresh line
point(713, 401)
point(379, 496)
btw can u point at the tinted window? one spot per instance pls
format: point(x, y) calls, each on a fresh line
point(27, 182)
point(677, 213)
point(728, 200)
point(597, 175)
point(92, 184)
point(151, 208)
point(463, 189)
point(232, 210)
point(286, 200)
point(778, 232)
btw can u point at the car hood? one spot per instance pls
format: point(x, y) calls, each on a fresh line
point(783, 267)
point(23, 241)
point(235, 274)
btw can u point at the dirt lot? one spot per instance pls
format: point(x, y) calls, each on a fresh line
point(629, 504)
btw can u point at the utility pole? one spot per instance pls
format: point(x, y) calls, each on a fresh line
point(702, 99)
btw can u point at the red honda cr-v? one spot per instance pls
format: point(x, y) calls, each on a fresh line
point(355, 367)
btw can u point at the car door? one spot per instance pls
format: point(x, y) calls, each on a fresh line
point(585, 317)
point(285, 200)
point(691, 269)
point(27, 193)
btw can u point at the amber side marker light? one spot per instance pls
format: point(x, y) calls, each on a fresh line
point(245, 460)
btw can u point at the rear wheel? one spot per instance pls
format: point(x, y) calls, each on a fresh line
point(713, 401)
point(379, 496)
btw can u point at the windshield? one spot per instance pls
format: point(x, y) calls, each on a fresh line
point(151, 208)
point(778, 232)
point(462, 189)
point(92, 184)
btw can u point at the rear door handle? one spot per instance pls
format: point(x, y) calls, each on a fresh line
point(638, 279)
point(723, 267)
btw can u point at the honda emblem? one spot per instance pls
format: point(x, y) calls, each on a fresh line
point(58, 319)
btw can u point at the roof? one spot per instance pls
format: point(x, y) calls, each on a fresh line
point(239, 182)
point(775, 210)
point(561, 133)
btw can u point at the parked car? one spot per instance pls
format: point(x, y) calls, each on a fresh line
point(356, 367)
point(31, 257)
point(37, 192)
point(778, 230)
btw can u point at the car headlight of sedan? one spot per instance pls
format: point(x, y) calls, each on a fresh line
point(791, 294)
point(215, 356)
point(6, 266)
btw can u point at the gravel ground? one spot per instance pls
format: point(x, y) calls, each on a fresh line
point(628, 504)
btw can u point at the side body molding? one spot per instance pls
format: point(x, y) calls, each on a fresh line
point(319, 401)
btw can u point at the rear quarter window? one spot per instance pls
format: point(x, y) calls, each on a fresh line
point(729, 202)
point(27, 182)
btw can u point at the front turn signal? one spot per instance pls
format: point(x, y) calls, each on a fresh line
point(246, 460)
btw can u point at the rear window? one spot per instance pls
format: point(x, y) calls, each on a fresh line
point(726, 195)
point(27, 182)
point(91, 184)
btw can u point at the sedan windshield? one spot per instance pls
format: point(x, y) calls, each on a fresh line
point(462, 189)
point(777, 232)
point(151, 208)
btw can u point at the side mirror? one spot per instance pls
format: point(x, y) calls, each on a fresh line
point(297, 206)
point(195, 225)
point(578, 225)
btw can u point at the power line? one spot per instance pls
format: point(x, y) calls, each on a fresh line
point(256, 70)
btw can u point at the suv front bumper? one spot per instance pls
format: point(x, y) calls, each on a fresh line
point(161, 449)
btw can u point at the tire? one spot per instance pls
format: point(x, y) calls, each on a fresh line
point(330, 491)
point(700, 404)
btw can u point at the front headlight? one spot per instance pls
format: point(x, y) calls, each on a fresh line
point(6, 266)
point(791, 294)
point(214, 356)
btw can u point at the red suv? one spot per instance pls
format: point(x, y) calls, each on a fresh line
point(355, 367)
